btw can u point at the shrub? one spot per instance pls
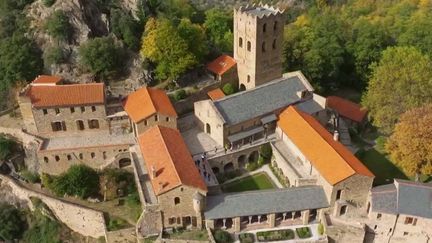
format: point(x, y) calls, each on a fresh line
point(222, 236)
point(380, 143)
point(48, 3)
point(6, 147)
point(251, 166)
point(125, 27)
point(102, 56)
point(229, 89)
point(261, 161)
point(54, 55)
point(79, 180)
point(303, 232)
point(247, 238)
point(12, 222)
point(116, 224)
point(31, 177)
point(266, 151)
point(58, 26)
point(320, 229)
point(43, 230)
point(275, 235)
point(180, 94)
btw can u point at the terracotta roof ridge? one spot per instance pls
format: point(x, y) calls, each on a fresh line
point(325, 141)
point(147, 89)
point(161, 134)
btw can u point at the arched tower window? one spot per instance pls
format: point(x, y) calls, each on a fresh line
point(263, 47)
point(249, 46)
point(274, 44)
point(264, 27)
point(248, 78)
point(176, 200)
point(275, 25)
point(240, 42)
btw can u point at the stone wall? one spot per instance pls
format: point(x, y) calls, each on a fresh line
point(57, 161)
point(70, 116)
point(209, 120)
point(173, 211)
point(157, 119)
point(87, 222)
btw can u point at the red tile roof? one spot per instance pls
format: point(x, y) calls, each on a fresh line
point(66, 95)
point(146, 102)
point(216, 94)
point(346, 108)
point(46, 79)
point(332, 159)
point(165, 152)
point(221, 64)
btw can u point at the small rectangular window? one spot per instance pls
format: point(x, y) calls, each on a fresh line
point(69, 157)
point(82, 109)
point(57, 110)
point(145, 123)
point(379, 216)
point(156, 118)
point(72, 109)
point(93, 108)
point(167, 119)
point(81, 156)
point(45, 111)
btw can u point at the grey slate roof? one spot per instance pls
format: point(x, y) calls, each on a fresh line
point(310, 106)
point(261, 100)
point(265, 202)
point(403, 197)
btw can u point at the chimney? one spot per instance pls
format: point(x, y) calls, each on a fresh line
point(153, 172)
point(336, 135)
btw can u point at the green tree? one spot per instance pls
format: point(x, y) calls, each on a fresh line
point(54, 55)
point(162, 44)
point(12, 223)
point(175, 10)
point(229, 89)
point(368, 41)
point(49, 3)
point(102, 56)
point(58, 26)
point(218, 24)
point(195, 37)
point(43, 230)
point(180, 94)
point(401, 80)
point(418, 32)
point(410, 145)
point(20, 60)
point(125, 27)
point(78, 180)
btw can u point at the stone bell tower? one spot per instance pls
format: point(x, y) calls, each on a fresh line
point(258, 39)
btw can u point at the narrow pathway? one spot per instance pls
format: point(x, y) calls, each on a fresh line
point(143, 175)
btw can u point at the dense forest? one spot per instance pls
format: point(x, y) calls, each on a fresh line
point(380, 50)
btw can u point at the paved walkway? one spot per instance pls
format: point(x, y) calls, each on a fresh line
point(264, 169)
point(313, 228)
point(143, 175)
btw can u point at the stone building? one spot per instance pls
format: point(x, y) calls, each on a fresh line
point(401, 212)
point(306, 153)
point(258, 44)
point(352, 113)
point(148, 107)
point(178, 186)
point(51, 108)
point(77, 123)
point(266, 208)
point(224, 70)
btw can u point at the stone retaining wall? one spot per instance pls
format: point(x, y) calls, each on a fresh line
point(85, 221)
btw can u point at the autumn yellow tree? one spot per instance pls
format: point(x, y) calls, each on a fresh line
point(410, 145)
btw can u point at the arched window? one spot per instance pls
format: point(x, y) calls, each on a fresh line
point(248, 78)
point(274, 44)
point(264, 27)
point(176, 200)
point(240, 42)
point(93, 124)
point(46, 159)
point(57, 158)
point(69, 157)
point(81, 156)
point(80, 125)
point(92, 155)
point(263, 47)
point(275, 25)
point(249, 46)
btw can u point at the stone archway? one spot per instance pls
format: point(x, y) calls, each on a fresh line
point(241, 160)
point(229, 167)
point(253, 157)
point(242, 87)
point(124, 162)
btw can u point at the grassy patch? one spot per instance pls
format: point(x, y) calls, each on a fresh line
point(275, 235)
point(256, 182)
point(303, 232)
point(114, 223)
point(383, 169)
point(200, 235)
